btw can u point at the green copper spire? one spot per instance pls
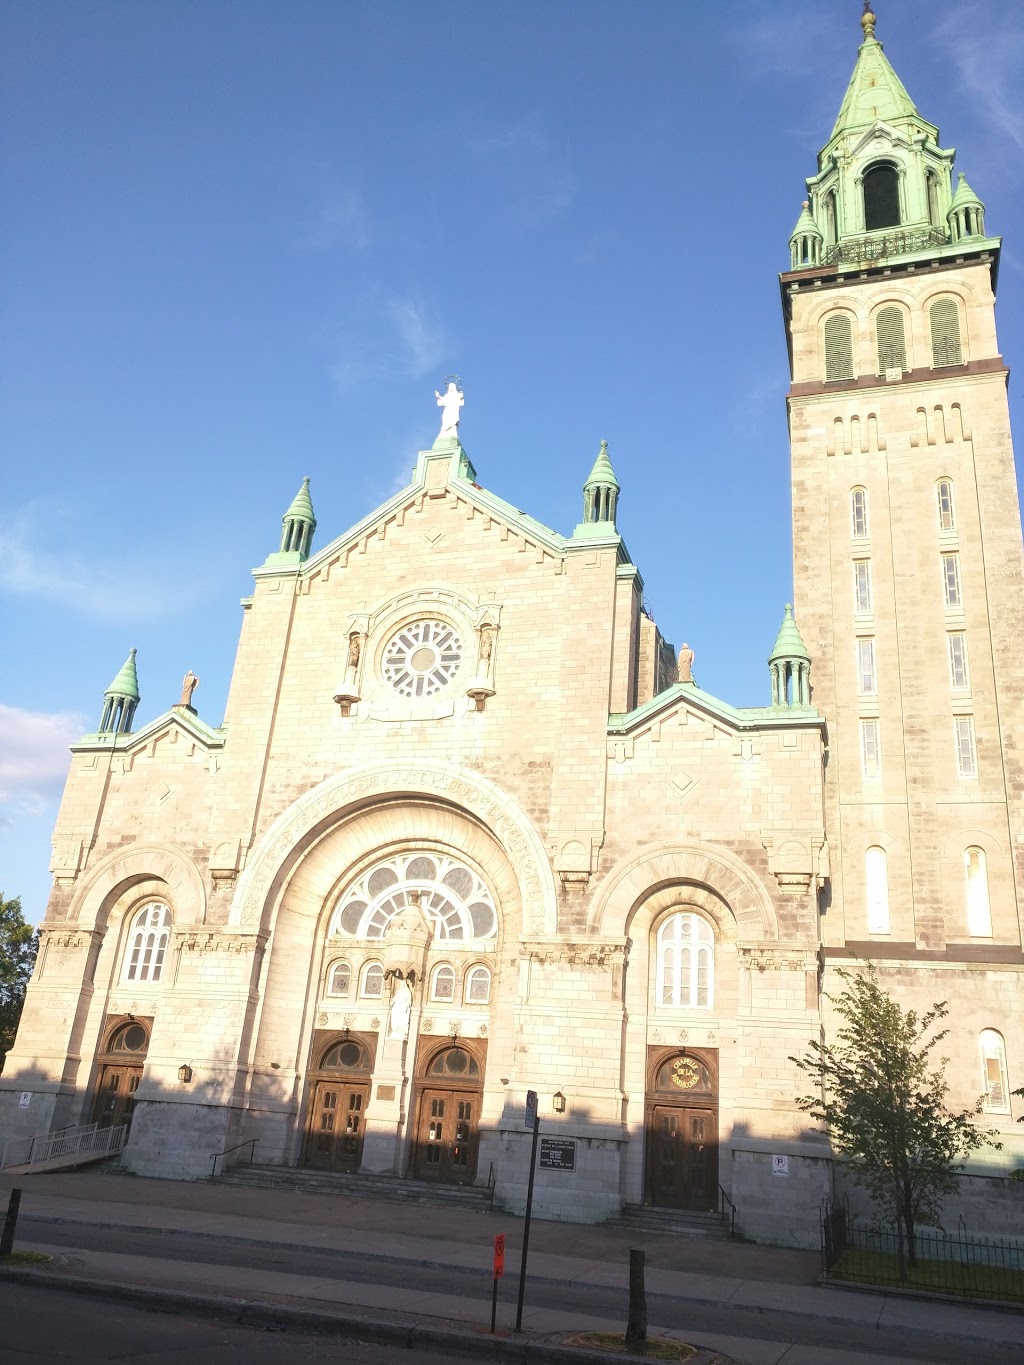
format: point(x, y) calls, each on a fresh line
point(875, 91)
point(601, 491)
point(790, 665)
point(297, 527)
point(966, 212)
point(805, 240)
point(121, 699)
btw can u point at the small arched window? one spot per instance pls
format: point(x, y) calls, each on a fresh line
point(130, 1038)
point(881, 197)
point(373, 980)
point(947, 510)
point(979, 909)
point(838, 347)
point(892, 341)
point(347, 1055)
point(686, 962)
point(339, 981)
point(442, 983)
point(859, 513)
point(478, 986)
point(876, 876)
point(944, 319)
point(147, 943)
point(996, 1096)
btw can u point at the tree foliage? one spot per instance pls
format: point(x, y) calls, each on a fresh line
point(17, 956)
point(882, 1092)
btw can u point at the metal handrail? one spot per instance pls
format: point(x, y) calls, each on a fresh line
point(66, 1143)
point(216, 1156)
point(724, 1199)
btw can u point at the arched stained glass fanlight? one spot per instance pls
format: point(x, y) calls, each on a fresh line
point(454, 898)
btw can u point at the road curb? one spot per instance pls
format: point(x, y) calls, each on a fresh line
point(524, 1350)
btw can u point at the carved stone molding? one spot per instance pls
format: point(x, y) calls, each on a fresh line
point(580, 953)
point(772, 957)
point(796, 859)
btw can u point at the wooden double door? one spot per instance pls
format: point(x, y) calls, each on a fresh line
point(447, 1136)
point(336, 1123)
point(115, 1096)
point(682, 1130)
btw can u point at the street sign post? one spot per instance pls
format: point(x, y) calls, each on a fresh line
point(532, 1121)
point(499, 1270)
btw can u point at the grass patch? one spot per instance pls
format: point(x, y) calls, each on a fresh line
point(26, 1258)
point(656, 1348)
point(937, 1277)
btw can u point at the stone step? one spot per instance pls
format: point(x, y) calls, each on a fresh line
point(389, 1188)
point(675, 1222)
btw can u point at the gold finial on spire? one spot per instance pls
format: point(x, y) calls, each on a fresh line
point(867, 21)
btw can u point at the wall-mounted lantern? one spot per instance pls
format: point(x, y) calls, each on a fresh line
point(185, 1074)
point(558, 1102)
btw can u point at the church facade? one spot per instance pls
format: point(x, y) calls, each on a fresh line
point(470, 828)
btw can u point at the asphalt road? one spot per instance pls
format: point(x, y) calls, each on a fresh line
point(666, 1312)
point(49, 1327)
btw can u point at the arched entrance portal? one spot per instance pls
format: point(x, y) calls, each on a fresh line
point(121, 1060)
point(681, 1123)
point(448, 1114)
point(337, 1110)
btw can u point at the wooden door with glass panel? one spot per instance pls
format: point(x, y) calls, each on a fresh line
point(682, 1130)
point(337, 1111)
point(447, 1133)
point(122, 1061)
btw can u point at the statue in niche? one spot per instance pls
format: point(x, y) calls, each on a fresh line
point(685, 663)
point(355, 649)
point(401, 1009)
point(450, 402)
point(486, 649)
point(188, 685)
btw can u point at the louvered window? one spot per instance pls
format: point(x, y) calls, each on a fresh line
point(838, 347)
point(892, 341)
point(945, 323)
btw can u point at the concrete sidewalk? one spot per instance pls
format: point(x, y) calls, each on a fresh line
point(762, 1278)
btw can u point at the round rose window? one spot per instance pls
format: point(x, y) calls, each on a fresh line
point(422, 658)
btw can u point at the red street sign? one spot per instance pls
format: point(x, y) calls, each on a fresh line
point(499, 1255)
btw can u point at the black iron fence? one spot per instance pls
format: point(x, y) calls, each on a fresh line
point(940, 1262)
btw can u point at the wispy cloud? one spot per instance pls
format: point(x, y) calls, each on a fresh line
point(99, 590)
point(34, 757)
point(986, 50)
point(341, 220)
point(396, 338)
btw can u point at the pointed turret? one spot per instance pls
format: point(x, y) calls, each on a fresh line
point(790, 665)
point(297, 527)
point(601, 490)
point(966, 212)
point(806, 240)
point(120, 700)
point(875, 91)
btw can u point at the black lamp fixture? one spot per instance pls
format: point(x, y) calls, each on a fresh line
point(185, 1073)
point(558, 1102)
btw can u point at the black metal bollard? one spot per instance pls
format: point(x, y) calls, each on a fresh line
point(636, 1326)
point(10, 1223)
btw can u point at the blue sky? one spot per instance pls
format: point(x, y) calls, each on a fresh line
point(243, 242)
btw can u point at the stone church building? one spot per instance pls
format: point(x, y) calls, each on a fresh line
point(470, 828)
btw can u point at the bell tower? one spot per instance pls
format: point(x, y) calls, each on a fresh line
point(908, 566)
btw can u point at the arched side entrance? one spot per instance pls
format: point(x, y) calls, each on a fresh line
point(339, 1096)
point(681, 1128)
point(120, 1063)
point(447, 1119)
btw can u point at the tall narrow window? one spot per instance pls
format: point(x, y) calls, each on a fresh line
point(979, 909)
point(881, 197)
point(944, 317)
point(870, 749)
point(838, 347)
point(867, 683)
point(934, 211)
point(686, 962)
point(859, 513)
point(966, 758)
point(947, 512)
point(996, 1094)
point(959, 677)
point(892, 341)
point(147, 944)
point(951, 580)
point(877, 880)
point(862, 587)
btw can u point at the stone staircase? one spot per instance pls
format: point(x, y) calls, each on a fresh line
point(388, 1188)
point(676, 1222)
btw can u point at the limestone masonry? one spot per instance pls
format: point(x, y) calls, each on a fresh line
point(470, 828)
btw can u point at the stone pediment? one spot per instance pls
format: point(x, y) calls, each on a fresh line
point(180, 723)
point(879, 138)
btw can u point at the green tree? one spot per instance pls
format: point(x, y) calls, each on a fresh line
point(1018, 1174)
point(18, 942)
point(882, 1093)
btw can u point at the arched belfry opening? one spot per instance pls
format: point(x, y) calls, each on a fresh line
point(881, 196)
